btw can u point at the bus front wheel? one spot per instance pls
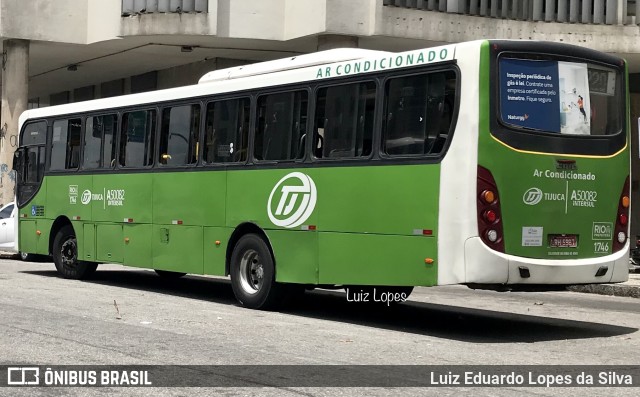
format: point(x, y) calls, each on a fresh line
point(253, 274)
point(25, 257)
point(65, 256)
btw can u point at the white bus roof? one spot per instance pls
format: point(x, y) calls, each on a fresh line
point(309, 67)
point(297, 62)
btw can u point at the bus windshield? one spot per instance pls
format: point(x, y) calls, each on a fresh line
point(560, 97)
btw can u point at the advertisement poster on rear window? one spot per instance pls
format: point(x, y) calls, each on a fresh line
point(549, 96)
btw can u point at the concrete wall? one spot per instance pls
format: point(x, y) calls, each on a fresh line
point(60, 20)
point(297, 19)
point(444, 27)
point(101, 20)
point(89, 21)
point(191, 73)
point(168, 24)
point(264, 19)
point(354, 17)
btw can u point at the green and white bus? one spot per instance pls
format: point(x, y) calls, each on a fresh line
point(495, 164)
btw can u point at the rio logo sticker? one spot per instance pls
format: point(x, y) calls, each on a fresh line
point(73, 194)
point(297, 200)
point(532, 196)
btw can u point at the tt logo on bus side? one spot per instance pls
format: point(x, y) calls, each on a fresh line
point(297, 201)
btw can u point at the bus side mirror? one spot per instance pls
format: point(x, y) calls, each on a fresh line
point(18, 160)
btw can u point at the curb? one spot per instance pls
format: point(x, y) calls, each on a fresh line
point(631, 291)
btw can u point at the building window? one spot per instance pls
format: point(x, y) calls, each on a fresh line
point(34, 103)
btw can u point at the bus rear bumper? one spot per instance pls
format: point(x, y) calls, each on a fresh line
point(486, 266)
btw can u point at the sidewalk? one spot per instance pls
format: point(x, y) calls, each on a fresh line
point(629, 288)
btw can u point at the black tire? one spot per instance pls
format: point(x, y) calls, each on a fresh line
point(168, 275)
point(253, 274)
point(25, 257)
point(65, 256)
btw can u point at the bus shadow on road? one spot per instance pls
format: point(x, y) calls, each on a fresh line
point(438, 320)
point(453, 322)
point(216, 290)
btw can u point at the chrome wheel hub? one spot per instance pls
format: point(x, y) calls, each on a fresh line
point(251, 272)
point(69, 252)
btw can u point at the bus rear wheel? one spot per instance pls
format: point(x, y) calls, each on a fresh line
point(65, 256)
point(253, 274)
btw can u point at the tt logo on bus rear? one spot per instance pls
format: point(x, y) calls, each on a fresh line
point(532, 196)
point(296, 202)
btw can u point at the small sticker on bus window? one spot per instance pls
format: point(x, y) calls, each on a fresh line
point(57, 133)
point(532, 236)
point(225, 150)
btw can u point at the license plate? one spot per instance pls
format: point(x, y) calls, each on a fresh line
point(563, 241)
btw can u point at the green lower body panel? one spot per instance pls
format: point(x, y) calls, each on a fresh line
point(215, 254)
point(109, 243)
point(88, 250)
point(42, 239)
point(137, 245)
point(28, 239)
point(178, 248)
point(296, 254)
point(373, 259)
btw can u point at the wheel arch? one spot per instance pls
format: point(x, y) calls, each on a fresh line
point(58, 224)
point(242, 230)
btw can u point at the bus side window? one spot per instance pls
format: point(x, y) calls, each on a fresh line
point(136, 138)
point(344, 120)
point(227, 131)
point(110, 126)
point(418, 115)
point(65, 145)
point(31, 162)
point(92, 142)
point(446, 116)
point(32, 166)
point(435, 109)
point(281, 127)
point(98, 141)
point(179, 135)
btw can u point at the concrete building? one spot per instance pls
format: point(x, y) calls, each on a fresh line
point(71, 50)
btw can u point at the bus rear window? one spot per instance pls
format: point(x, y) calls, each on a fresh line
point(567, 98)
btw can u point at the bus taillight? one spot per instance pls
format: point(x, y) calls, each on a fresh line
point(620, 234)
point(489, 215)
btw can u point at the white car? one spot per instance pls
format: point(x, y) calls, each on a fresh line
point(8, 227)
point(8, 230)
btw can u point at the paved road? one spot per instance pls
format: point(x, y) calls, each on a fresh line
point(195, 320)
